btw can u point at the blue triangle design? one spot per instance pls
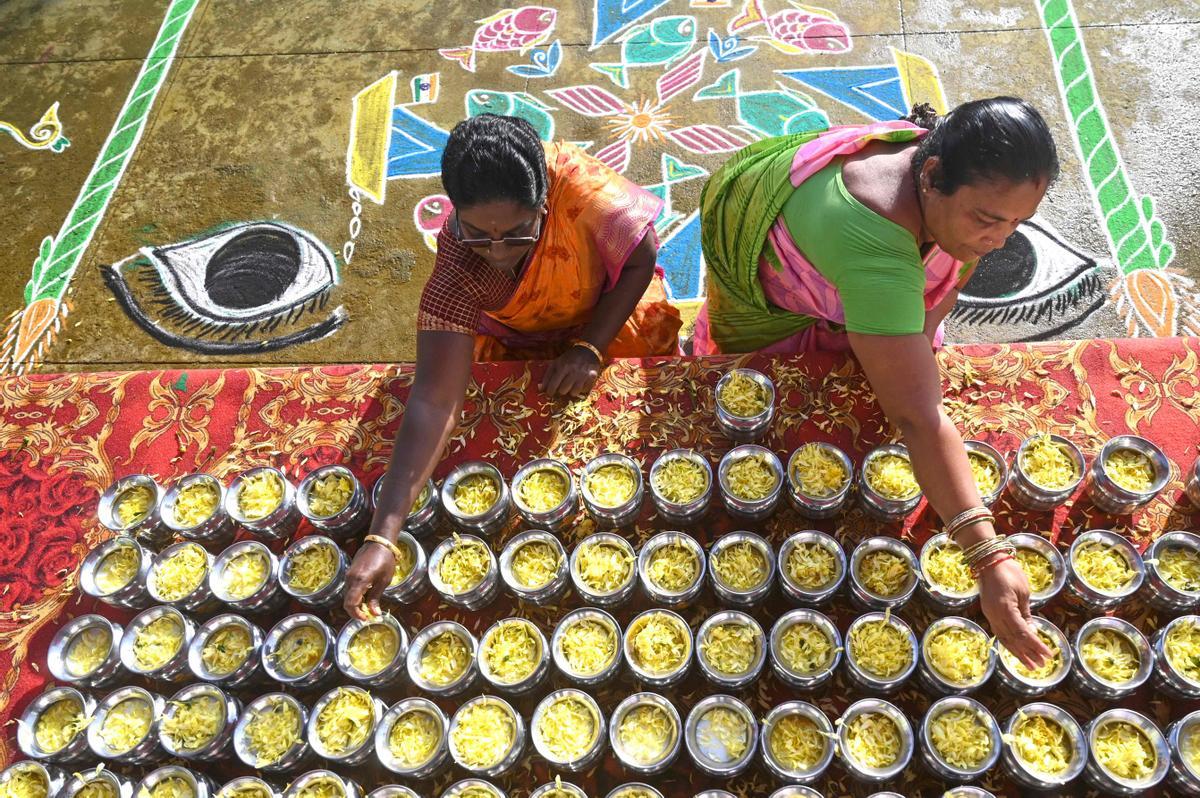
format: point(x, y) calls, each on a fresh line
point(416, 146)
point(679, 255)
point(874, 91)
point(613, 16)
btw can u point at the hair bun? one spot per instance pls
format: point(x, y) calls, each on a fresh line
point(923, 115)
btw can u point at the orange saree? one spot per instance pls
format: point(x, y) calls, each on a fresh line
point(595, 219)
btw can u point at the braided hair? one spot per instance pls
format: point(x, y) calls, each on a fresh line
point(1001, 138)
point(489, 158)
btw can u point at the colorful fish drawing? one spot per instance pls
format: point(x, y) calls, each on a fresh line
point(429, 214)
point(509, 29)
point(663, 41)
point(795, 30)
point(512, 103)
point(772, 113)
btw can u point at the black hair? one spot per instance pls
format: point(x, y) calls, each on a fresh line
point(999, 138)
point(490, 157)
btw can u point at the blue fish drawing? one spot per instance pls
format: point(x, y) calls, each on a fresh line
point(512, 103)
point(663, 41)
point(771, 113)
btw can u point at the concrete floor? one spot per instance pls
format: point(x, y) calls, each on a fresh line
point(252, 119)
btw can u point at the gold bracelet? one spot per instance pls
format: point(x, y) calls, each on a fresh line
point(382, 541)
point(589, 347)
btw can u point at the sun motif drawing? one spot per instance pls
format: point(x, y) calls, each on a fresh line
point(642, 122)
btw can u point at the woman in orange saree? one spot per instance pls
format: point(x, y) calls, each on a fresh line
point(550, 255)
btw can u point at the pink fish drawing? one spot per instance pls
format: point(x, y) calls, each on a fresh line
point(429, 214)
point(799, 29)
point(509, 29)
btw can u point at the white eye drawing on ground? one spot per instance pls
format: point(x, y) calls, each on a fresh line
point(1036, 287)
point(252, 287)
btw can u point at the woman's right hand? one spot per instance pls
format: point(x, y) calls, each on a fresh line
point(371, 572)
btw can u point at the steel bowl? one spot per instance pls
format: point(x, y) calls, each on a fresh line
point(798, 791)
point(347, 521)
point(1167, 676)
point(268, 597)
point(1192, 484)
point(515, 749)
point(51, 777)
point(942, 596)
point(937, 762)
point(200, 599)
point(476, 597)
point(348, 787)
point(110, 668)
point(530, 681)
point(1037, 543)
point(423, 518)
point(612, 598)
point(1110, 782)
point(441, 752)
point(1027, 686)
point(1092, 597)
point(1034, 496)
point(624, 756)
point(323, 597)
point(558, 789)
point(391, 673)
point(734, 595)
point(1113, 499)
point(781, 770)
point(76, 749)
point(1092, 683)
point(658, 679)
point(864, 679)
point(609, 670)
point(875, 503)
point(801, 680)
point(458, 788)
point(744, 429)
point(541, 595)
point(661, 594)
point(1019, 771)
point(750, 509)
point(415, 585)
point(149, 529)
point(985, 450)
point(230, 788)
point(634, 788)
point(862, 771)
point(1161, 594)
point(711, 756)
point(279, 523)
point(133, 595)
point(935, 679)
point(175, 668)
point(417, 649)
point(218, 529)
point(556, 518)
point(719, 678)
point(863, 597)
point(357, 754)
point(392, 791)
point(219, 747)
point(147, 750)
point(622, 514)
point(319, 674)
point(584, 759)
point(819, 507)
point(291, 759)
point(682, 513)
point(802, 594)
point(121, 786)
point(492, 520)
point(200, 785)
point(1184, 775)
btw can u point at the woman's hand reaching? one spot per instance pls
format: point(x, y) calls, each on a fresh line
point(1004, 598)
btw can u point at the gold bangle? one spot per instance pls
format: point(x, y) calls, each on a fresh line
point(382, 541)
point(589, 347)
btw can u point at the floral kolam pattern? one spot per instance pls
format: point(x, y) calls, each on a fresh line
point(65, 438)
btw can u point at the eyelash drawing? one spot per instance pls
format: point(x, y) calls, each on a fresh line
point(248, 288)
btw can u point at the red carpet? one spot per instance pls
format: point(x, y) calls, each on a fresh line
point(65, 438)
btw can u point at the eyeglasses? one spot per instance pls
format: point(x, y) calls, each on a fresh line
point(509, 241)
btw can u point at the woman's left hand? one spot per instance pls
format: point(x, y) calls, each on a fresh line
point(573, 373)
point(1004, 597)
